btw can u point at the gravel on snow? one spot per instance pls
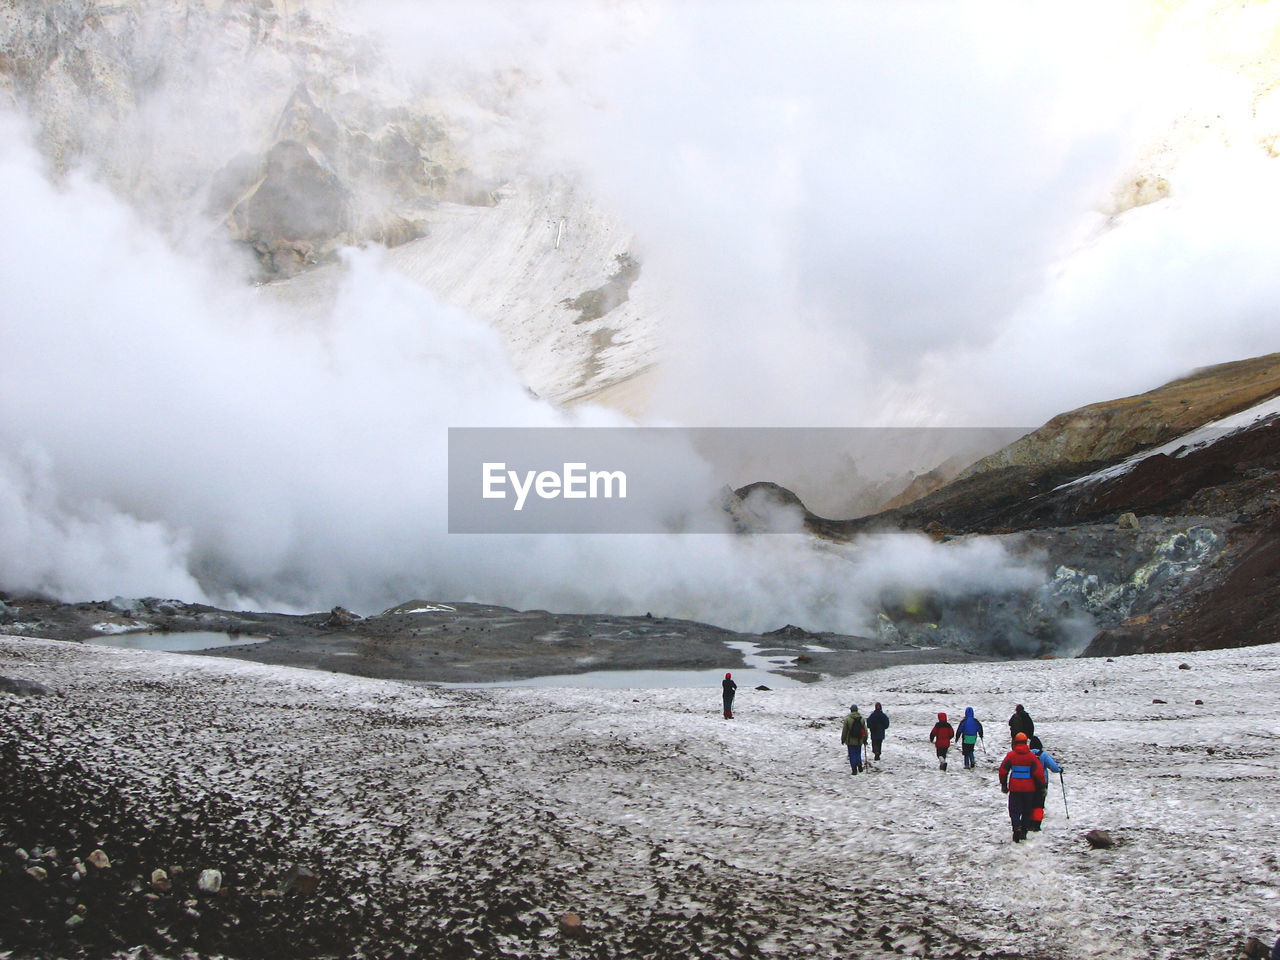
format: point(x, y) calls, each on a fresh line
point(456, 822)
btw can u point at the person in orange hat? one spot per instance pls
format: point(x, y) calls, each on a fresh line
point(1021, 775)
point(940, 736)
point(730, 688)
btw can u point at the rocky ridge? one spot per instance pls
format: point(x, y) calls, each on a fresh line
point(1149, 522)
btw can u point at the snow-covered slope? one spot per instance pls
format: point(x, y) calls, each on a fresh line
point(521, 265)
point(651, 817)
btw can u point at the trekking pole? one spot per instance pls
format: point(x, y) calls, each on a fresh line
point(1064, 795)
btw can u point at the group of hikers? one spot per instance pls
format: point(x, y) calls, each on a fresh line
point(1024, 772)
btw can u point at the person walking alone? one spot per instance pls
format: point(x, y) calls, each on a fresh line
point(877, 724)
point(1021, 774)
point(1020, 722)
point(730, 688)
point(969, 732)
point(940, 736)
point(853, 735)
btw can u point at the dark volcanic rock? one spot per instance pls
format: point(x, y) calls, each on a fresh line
point(1100, 839)
point(23, 688)
point(1233, 605)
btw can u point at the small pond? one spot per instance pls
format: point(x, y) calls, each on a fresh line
point(175, 642)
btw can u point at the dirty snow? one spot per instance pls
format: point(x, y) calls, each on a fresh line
point(645, 799)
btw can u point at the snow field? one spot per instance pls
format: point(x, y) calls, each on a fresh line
point(627, 803)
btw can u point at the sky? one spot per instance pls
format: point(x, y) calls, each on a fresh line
point(852, 213)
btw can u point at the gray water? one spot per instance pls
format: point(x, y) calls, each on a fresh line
point(175, 642)
point(758, 671)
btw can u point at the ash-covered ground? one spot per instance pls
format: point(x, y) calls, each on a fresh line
point(465, 642)
point(466, 823)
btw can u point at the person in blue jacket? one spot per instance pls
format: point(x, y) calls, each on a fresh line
point(969, 732)
point(877, 724)
point(1050, 766)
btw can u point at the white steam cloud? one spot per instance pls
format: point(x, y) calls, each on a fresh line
point(163, 434)
point(857, 213)
point(888, 213)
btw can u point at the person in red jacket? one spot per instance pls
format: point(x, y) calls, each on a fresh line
point(940, 736)
point(1021, 774)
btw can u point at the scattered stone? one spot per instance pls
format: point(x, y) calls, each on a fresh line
point(1184, 666)
point(1199, 703)
point(1158, 700)
point(1254, 949)
point(22, 854)
point(570, 925)
point(100, 860)
point(23, 688)
point(38, 872)
point(1100, 839)
point(210, 881)
point(74, 921)
point(1128, 521)
point(790, 630)
point(763, 687)
point(1209, 750)
point(300, 880)
point(78, 868)
point(160, 881)
point(341, 617)
point(125, 605)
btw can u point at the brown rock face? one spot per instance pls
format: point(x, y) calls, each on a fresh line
point(1117, 428)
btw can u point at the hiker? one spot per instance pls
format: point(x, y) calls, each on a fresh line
point(1020, 722)
point(1050, 766)
point(730, 688)
point(877, 724)
point(853, 735)
point(940, 736)
point(969, 730)
point(1021, 774)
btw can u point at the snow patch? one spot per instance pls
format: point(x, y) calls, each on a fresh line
point(1197, 439)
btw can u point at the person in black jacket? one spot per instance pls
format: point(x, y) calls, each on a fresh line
point(730, 688)
point(1020, 722)
point(877, 724)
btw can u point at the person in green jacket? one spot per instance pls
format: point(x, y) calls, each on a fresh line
point(854, 735)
